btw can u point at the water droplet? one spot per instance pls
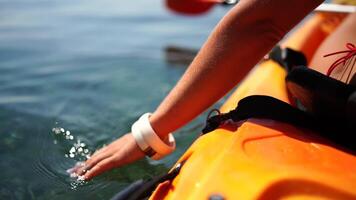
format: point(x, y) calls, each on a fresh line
point(86, 151)
point(72, 150)
point(62, 130)
point(80, 149)
point(56, 130)
point(77, 144)
point(81, 178)
point(73, 175)
point(71, 137)
point(71, 155)
point(67, 132)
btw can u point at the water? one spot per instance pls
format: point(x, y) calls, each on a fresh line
point(90, 67)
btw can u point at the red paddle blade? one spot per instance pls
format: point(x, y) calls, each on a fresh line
point(191, 7)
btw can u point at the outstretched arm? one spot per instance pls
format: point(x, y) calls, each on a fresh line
point(238, 42)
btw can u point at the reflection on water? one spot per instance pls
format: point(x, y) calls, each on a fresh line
point(93, 67)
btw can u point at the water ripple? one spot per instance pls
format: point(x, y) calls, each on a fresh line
point(87, 64)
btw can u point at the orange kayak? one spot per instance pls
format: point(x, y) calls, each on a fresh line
point(263, 158)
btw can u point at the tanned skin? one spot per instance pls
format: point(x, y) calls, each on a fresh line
point(239, 41)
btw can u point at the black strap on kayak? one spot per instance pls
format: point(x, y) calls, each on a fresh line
point(266, 107)
point(142, 189)
point(287, 57)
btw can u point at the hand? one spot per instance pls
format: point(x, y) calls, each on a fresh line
point(120, 152)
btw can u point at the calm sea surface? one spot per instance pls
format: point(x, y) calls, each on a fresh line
point(74, 75)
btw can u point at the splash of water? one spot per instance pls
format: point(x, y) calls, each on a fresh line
point(77, 150)
point(77, 182)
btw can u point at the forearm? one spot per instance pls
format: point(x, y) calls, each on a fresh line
point(239, 41)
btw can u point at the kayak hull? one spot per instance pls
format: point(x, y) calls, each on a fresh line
point(262, 158)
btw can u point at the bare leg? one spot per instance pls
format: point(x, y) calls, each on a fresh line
point(345, 33)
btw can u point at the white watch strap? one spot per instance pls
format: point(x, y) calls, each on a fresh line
point(148, 141)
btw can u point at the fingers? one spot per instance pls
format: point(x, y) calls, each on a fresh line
point(92, 162)
point(73, 171)
point(97, 152)
point(99, 168)
point(120, 152)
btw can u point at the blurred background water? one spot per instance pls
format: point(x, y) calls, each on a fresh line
point(89, 67)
